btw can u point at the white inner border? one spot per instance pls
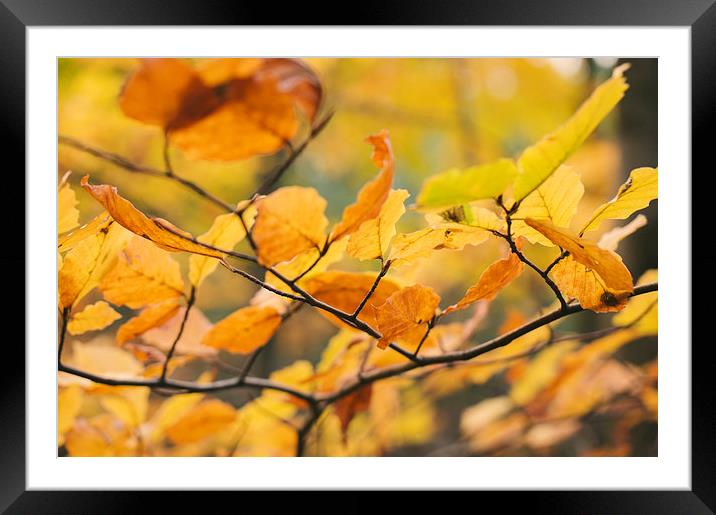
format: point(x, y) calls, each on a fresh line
point(672, 467)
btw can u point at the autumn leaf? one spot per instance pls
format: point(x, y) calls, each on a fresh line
point(641, 312)
point(373, 237)
point(67, 213)
point(346, 290)
point(225, 233)
point(349, 406)
point(69, 403)
point(245, 330)
point(104, 360)
point(157, 230)
point(493, 279)
point(457, 186)
point(636, 193)
point(149, 318)
point(540, 160)
point(162, 336)
point(224, 109)
point(144, 274)
point(202, 420)
point(87, 263)
point(92, 318)
point(371, 196)
point(402, 317)
point(595, 276)
point(289, 221)
point(555, 200)
point(98, 224)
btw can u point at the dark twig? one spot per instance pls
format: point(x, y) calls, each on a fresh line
point(189, 304)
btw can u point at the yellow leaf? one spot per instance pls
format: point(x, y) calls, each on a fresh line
point(371, 240)
point(69, 402)
point(144, 274)
point(171, 411)
point(289, 221)
point(641, 188)
point(105, 360)
point(204, 419)
point(641, 312)
point(97, 224)
point(128, 403)
point(92, 318)
point(245, 330)
point(540, 372)
point(457, 186)
point(402, 317)
point(493, 279)
point(67, 213)
point(103, 435)
point(556, 200)
point(610, 240)
point(346, 290)
point(148, 318)
point(595, 276)
point(226, 231)
point(541, 159)
point(159, 231)
point(371, 196)
point(87, 263)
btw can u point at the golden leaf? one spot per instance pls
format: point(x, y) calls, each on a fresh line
point(641, 312)
point(105, 360)
point(144, 274)
point(636, 193)
point(403, 314)
point(245, 330)
point(555, 200)
point(373, 237)
point(498, 275)
point(610, 240)
point(67, 213)
point(69, 403)
point(371, 196)
point(540, 160)
point(290, 220)
point(162, 336)
point(202, 420)
point(92, 318)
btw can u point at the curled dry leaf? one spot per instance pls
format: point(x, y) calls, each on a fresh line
point(404, 315)
point(159, 231)
point(595, 276)
point(245, 330)
point(289, 221)
point(498, 275)
point(372, 196)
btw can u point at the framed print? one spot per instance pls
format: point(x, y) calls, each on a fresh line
point(423, 253)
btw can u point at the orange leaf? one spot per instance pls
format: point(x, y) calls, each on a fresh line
point(245, 330)
point(204, 419)
point(498, 275)
point(163, 335)
point(401, 316)
point(288, 222)
point(346, 290)
point(149, 318)
point(374, 194)
point(157, 230)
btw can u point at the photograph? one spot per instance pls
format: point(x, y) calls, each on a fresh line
point(357, 257)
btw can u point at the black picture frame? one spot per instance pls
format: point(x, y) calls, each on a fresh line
point(17, 15)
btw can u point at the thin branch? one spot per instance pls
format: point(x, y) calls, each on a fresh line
point(170, 354)
point(250, 363)
point(302, 433)
point(383, 271)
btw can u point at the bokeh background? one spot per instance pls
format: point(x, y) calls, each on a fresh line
point(441, 113)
